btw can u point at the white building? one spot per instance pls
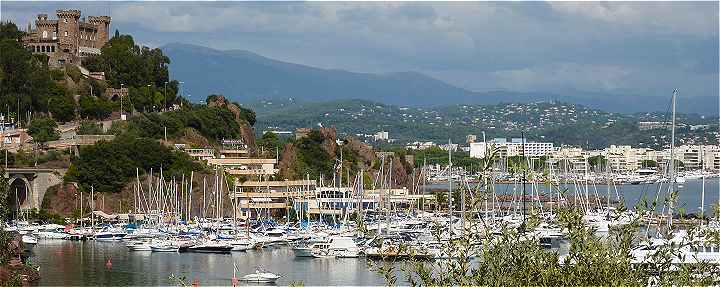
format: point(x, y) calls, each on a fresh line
point(381, 136)
point(515, 147)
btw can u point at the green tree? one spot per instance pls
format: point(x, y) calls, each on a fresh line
point(95, 107)
point(108, 166)
point(4, 196)
point(43, 130)
point(60, 105)
point(597, 161)
point(90, 128)
point(649, 163)
point(312, 158)
point(269, 142)
point(24, 78)
point(136, 67)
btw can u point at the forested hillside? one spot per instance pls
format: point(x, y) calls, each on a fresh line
point(557, 122)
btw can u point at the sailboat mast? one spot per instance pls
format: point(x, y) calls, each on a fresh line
point(450, 199)
point(672, 161)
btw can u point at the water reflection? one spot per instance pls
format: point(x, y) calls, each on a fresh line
point(68, 263)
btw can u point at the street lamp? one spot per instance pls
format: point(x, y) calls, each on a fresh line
point(149, 97)
point(165, 96)
point(121, 103)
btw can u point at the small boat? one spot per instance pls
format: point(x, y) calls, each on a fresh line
point(211, 247)
point(29, 239)
point(109, 236)
point(139, 246)
point(242, 244)
point(261, 275)
point(164, 247)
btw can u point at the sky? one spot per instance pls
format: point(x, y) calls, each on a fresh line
point(615, 48)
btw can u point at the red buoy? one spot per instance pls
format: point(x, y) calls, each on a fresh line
point(108, 264)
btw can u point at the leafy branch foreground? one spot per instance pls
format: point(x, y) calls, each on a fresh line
point(513, 257)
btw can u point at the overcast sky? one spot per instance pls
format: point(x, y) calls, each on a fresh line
point(639, 48)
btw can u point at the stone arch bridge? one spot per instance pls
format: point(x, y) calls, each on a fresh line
point(29, 185)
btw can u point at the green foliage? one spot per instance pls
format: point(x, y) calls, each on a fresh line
point(136, 66)
point(435, 155)
point(23, 77)
point(649, 163)
point(597, 161)
point(60, 104)
point(45, 216)
point(586, 127)
point(95, 107)
point(9, 31)
point(4, 198)
point(90, 128)
point(26, 159)
point(269, 144)
point(312, 158)
point(107, 166)
point(215, 123)
point(247, 114)
point(43, 130)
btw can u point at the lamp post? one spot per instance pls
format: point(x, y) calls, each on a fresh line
point(149, 96)
point(165, 97)
point(180, 88)
point(121, 103)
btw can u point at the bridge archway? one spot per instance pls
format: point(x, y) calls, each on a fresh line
point(19, 190)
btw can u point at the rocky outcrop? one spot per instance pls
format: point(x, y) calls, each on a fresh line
point(61, 199)
point(246, 131)
point(14, 262)
point(287, 160)
point(329, 140)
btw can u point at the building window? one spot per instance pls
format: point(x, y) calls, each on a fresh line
point(65, 20)
point(52, 48)
point(42, 48)
point(54, 35)
point(44, 34)
point(66, 34)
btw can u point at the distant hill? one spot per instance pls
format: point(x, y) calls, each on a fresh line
point(248, 77)
point(557, 122)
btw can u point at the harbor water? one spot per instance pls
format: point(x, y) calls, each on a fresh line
point(73, 263)
point(689, 192)
point(98, 263)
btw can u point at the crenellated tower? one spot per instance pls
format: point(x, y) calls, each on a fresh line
point(68, 30)
point(102, 23)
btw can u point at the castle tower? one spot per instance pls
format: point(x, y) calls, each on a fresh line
point(45, 28)
point(68, 30)
point(103, 27)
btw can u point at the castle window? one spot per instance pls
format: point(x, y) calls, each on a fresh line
point(65, 20)
point(44, 34)
point(66, 34)
point(52, 48)
point(54, 35)
point(42, 48)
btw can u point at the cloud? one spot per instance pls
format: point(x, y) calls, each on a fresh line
point(638, 47)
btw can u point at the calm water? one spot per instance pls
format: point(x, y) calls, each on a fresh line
point(688, 193)
point(68, 263)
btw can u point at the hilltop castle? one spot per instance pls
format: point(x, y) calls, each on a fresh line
point(67, 39)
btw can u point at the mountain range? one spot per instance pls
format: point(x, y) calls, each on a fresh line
point(248, 77)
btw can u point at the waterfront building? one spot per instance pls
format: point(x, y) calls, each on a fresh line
point(270, 198)
point(420, 145)
point(570, 159)
point(381, 136)
point(648, 125)
point(470, 139)
point(504, 149)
